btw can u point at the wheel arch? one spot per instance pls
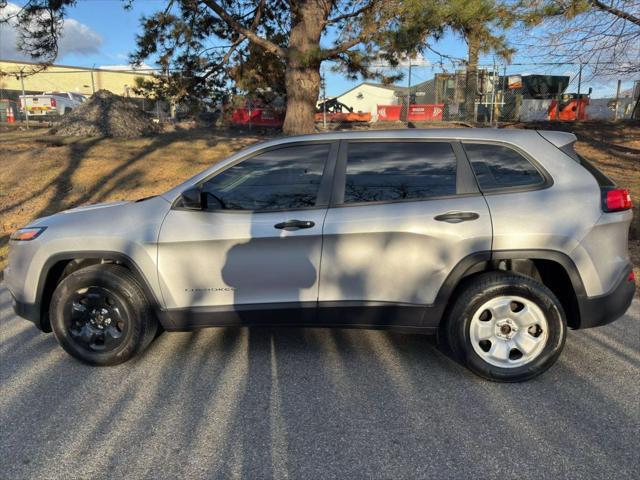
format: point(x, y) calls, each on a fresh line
point(59, 266)
point(553, 269)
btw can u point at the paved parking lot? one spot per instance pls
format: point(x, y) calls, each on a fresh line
point(314, 403)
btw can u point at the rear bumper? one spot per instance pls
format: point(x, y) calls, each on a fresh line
point(604, 309)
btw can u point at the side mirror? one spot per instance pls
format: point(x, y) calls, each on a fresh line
point(192, 199)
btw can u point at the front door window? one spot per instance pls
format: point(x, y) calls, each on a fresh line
point(283, 179)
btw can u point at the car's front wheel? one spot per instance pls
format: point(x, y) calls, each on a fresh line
point(100, 315)
point(506, 327)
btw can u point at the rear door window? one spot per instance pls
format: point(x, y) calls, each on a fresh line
point(396, 171)
point(498, 166)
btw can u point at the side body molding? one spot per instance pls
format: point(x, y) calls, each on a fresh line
point(420, 319)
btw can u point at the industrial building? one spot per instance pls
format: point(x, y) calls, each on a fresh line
point(16, 76)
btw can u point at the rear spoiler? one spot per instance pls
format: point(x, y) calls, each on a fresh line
point(565, 141)
point(559, 139)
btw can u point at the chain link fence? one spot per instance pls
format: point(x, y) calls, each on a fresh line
point(430, 96)
point(485, 96)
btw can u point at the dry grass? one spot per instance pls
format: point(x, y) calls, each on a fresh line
point(43, 174)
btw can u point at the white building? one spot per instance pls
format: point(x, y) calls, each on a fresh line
point(367, 96)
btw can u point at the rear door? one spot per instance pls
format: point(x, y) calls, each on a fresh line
point(403, 215)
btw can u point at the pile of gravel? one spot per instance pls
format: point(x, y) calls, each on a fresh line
point(106, 115)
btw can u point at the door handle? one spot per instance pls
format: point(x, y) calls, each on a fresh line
point(294, 224)
point(457, 217)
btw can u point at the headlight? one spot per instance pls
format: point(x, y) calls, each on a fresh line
point(26, 234)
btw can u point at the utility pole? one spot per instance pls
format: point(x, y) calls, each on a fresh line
point(617, 100)
point(24, 100)
point(493, 92)
point(409, 92)
point(476, 103)
point(557, 112)
point(581, 106)
point(503, 101)
point(324, 100)
point(93, 84)
point(579, 80)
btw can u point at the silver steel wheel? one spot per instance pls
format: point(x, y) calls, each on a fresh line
point(508, 331)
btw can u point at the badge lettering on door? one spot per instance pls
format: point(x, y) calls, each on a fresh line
point(211, 289)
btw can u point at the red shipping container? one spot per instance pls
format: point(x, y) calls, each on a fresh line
point(425, 112)
point(389, 113)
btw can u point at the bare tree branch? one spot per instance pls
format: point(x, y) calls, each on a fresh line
point(606, 36)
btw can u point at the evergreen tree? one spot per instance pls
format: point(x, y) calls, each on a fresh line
point(201, 43)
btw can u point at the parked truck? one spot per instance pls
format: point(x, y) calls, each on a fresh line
point(50, 105)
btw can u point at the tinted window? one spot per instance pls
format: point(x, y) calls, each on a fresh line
point(497, 166)
point(280, 179)
point(385, 171)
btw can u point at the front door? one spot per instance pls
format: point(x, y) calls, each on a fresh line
point(258, 242)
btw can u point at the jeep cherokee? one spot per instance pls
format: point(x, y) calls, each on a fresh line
point(499, 240)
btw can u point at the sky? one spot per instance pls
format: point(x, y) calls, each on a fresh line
point(102, 33)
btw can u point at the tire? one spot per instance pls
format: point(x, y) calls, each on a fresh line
point(526, 322)
point(101, 316)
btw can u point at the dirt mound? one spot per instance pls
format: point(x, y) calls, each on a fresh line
point(106, 115)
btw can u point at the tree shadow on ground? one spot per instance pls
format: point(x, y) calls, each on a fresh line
point(313, 403)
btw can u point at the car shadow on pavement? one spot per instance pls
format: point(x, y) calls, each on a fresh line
point(313, 403)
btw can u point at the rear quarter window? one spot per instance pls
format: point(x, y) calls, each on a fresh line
point(498, 166)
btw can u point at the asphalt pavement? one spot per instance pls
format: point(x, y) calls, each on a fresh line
point(314, 404)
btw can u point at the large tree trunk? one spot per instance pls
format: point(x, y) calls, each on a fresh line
point(303, 87)
point(302, 75)
point(473, 43)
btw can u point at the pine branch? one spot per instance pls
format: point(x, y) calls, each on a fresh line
point(355, 13)
point(251, 35)
point(614, 11)
point(340, 48)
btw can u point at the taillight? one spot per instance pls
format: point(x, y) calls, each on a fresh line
point(53, 102)
point(616, 199)
point(631, 277)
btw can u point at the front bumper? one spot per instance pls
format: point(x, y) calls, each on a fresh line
point(21, 284)
point(31, 312)
point(604, 309)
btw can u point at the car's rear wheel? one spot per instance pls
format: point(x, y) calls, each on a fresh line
point(506, 327)
point(100, 315)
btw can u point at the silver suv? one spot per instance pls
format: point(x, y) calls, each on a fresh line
point(497, 239)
